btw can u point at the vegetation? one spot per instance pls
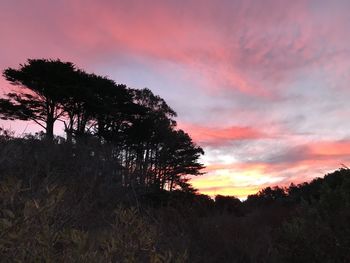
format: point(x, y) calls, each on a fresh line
point(132, 132)
point(116, 188)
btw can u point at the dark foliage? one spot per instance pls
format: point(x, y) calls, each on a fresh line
point(116, 188)
point(133, 131)
point(60, 202)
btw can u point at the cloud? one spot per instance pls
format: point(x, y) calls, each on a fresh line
point(225, 42)
point(261, 85)
point(220, 136)
point(295, 164)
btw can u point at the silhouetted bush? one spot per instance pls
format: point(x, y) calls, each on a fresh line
point(64, 202)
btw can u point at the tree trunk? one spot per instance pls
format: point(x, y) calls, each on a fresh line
point(49, 128)
point(69, 134)
point(50, 119)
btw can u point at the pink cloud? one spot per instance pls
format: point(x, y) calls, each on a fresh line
point(222, 135)
point(205, 36)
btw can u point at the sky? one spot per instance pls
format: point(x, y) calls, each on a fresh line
point(262, 86)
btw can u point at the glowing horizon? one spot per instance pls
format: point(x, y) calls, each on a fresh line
point(261, 86)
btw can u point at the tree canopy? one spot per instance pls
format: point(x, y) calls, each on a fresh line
point(138, 126)
point(42, 86)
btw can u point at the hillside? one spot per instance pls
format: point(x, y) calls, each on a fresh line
point(58, 208)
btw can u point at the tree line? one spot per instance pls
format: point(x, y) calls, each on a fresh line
point(136, 128)
point(55, 207)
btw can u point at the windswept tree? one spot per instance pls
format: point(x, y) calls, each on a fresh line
point(145, 135)
point(178, 157)
point(112, 108)
point(39, 98)
point(158, 154)
point(75, 105)
point(92, 104)
point(138, 142)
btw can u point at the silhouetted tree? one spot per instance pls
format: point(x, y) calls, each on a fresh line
point(157, 154)
point(135, 128)
point(42, 83)
point(179, 157)
point(267, 196)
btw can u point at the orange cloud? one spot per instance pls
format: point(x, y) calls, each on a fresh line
point(243, 178)
point(331, 149)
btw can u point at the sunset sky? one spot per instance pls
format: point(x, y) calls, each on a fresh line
point(262, 86)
